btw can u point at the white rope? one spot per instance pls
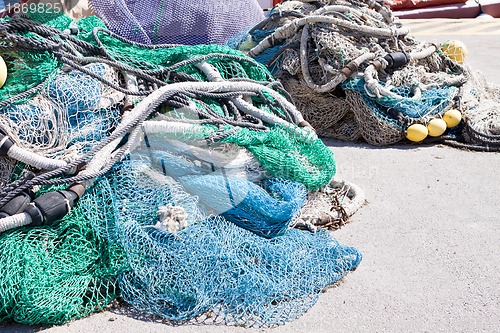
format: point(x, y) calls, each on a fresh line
point(214, 76)
point(304, 63)
point(33, 159)
point(289, 29)
point(14, 221)
point(374, 89)
point(210, 71)
point(269, 118)
point(423, 53)
point(336, 8)
point(173, 127)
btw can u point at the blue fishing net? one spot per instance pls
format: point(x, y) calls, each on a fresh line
point(212, 265)
point(74, 111)
point(266, 210)
point(432, 102)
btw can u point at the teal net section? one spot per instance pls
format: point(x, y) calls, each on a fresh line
point(211, 266)
point(289, 156)
point(401, 111)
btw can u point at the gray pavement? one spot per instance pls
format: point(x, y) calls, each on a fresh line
point(429, 233)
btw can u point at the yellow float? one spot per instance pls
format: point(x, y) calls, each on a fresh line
point(436, 127)
point(452, 118)
point(416, 132)
point(3, 72)
point(455, 50)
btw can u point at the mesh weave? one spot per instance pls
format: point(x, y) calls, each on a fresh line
point(54, 274)
point(266, 211)
point(324, 51)
point(384, 120)
point(136, 228)
point(71, 114)
point(178, 21)
point(212, 265)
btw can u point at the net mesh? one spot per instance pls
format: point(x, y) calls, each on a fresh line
point(212, 265)
point(147, 229)
point(82, 123)
point(480, 106)
point(72, 113)
point(338, 61)
point(266, 210)
point(384, 120)
point(178, 22)
point(54, 274)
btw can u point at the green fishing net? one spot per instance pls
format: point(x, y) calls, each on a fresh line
point(51, 275)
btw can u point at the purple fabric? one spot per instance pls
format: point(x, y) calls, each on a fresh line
point(187, 22)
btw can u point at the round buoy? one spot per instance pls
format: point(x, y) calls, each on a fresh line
point(452, 118)
point(416, 132)
point(455, 50)
point(3, 72)
point(436, 127)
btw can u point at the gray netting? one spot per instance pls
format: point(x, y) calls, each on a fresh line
point(384, 120)
point(330, 207)
point(481, 108)
point(212, 265)
point(354, 71)
point(178, 21)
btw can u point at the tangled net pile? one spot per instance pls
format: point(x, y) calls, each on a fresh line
point(212, 265)
point(138, 139)
point(355, 72)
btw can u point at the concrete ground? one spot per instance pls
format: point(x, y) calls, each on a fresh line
point(429, 233)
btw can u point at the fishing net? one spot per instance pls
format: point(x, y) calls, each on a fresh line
point(211, 265)
point(355, 72)
point(384, 120)
point(266, 211)
point(480, 104)
point(73, 112)
point(32, 120)
point(54, 274)
point(178, 22)
point(150, 131)
point(330, 207)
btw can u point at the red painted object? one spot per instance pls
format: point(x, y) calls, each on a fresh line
point(469, 9)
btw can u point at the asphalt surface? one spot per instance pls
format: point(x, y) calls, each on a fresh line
point(429, 234)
